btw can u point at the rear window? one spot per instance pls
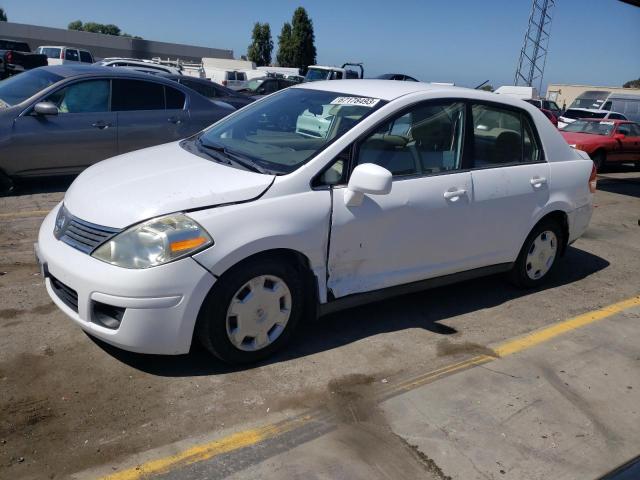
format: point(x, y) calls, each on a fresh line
point(50, 52)
point(17, 46)
point(231, 75)
point(175, 98)
point(131, 95)
point(85, 57)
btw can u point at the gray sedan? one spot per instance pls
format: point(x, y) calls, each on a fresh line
point(59, 120)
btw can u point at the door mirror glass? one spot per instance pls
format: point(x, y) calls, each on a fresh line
point(45, 108)
point(367, 178)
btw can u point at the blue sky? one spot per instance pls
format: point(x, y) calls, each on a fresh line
point(466, 41)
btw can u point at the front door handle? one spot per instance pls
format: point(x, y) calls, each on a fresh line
point(176, 120)
point(101, 125)
point(538, 182)
point(454, 194)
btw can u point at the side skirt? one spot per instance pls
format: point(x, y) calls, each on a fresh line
point(356, 299)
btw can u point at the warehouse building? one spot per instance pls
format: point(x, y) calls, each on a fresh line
point(564, 94)
point(102, 46)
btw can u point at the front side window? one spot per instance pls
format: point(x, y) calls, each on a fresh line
point(282, 132)
point(130, 95)
point(85, 57)
point(72, 55)
point(502, 137)
point(625, 129)
point(82, 97)
point(425, 140)
point(635, 129)
point(616, 116)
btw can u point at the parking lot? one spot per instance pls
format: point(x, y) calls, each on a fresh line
point(359, 384)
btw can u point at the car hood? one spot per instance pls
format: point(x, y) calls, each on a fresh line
point(575, 138)
point(154, 181)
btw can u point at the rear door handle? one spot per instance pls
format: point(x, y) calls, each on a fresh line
point(176, 120)
point(101, 125)
point(453, 194)
point(538, 182)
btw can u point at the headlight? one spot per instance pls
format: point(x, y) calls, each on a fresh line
point(154, 242)
point(572, 145)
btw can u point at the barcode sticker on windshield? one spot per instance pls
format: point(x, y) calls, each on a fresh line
point(607, 123)
point(360, 101)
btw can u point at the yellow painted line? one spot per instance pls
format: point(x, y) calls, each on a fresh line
point(251, 437)
point(548, 333)
point(208, 450)
point(31, 213)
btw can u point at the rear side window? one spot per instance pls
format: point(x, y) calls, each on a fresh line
point(131, 95)
point(201, 88)
point(616, 116)
point(85, 57)
point(72, 55)
point(502, 137)
point(241, 76)
point(175, 98)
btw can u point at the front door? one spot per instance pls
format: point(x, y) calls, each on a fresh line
point(83, 132)
point(421, 228)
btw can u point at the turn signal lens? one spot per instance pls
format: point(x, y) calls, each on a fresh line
point(188, 244)
point(593, 179)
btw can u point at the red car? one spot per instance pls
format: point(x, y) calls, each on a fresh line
point(549, 114)
point(606, 141)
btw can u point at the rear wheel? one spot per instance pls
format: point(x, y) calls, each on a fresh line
point(6, 185)
point(599, 159)
point(252, 311)
point(539, 254)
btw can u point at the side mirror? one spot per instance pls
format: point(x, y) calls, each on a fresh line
point(45, 108)
point(619, 136)
point(367, 178)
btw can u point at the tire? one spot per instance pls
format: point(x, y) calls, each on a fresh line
point(532, 268)
point(273, 288)
point(600, 160)
point(6, 185)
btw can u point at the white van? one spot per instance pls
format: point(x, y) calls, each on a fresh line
point(60, 55)
point(233, 79)
point(525, 93)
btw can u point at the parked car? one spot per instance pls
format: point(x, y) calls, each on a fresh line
point(606, 141)
point(140, 65)
point(548, 105)
point(61, 55)
point(212, 90)
point(396, 76)
point(61, 119)
point(572, 114)
point(236, 235)
point(259, 87)
point(322, 72)
point(16, 57)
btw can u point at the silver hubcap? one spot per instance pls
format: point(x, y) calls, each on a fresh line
point(542, 253)
point(258, 313)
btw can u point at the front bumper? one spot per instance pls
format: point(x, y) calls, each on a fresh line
point(161, 304)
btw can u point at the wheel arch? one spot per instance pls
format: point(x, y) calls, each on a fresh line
point(562, 219)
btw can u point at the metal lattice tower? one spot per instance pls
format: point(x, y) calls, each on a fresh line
point(533, 55)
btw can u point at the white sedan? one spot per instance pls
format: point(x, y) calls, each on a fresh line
point(235, 236)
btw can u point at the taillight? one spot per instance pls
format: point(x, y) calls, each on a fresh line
point(8, 56)
point(224, 82)
point(62, 54)
point(593, 179)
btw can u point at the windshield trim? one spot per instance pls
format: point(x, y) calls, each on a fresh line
point(269, 166)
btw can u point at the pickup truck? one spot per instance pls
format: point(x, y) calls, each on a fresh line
point(16, 57)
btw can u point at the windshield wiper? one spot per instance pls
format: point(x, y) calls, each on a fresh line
point(234, 157)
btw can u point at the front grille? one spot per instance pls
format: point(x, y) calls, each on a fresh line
point(67, 294)
point(85, 236)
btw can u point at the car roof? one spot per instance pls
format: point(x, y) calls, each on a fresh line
point(76, 70)
point(387, 90)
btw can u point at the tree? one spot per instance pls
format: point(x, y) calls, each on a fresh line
point(76, 25)
point(3, 16)
point(261, 46)
point(632, 84)
point(302, 39)
point(285, 47)
point(110, 29)
point(92, 27)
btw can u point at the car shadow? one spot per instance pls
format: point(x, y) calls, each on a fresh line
point(42, 185)
point(623, 186)
point(428, 309)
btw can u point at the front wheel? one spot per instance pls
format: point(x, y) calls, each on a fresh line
point(539, 255)
point(252, 311)
point(6, 185)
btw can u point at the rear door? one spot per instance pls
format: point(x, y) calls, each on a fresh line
point(510, 179)
point(83, 132)
point(143, 117)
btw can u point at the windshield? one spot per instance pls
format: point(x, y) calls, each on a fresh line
point(316, 74)
point(18, 88)
point(282, 132)
point(254, 84)
point(583, 114)
point(590, 99)
point(592, 128)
